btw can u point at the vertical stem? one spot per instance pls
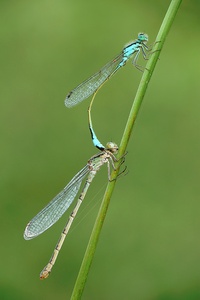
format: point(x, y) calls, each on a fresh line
point(89, 254)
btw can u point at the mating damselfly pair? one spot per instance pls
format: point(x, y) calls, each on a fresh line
point(50, 214)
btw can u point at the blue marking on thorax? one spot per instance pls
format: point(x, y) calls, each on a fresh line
point(131, 49)
point(128, 51)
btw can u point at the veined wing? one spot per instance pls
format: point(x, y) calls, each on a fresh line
point(51, 213)
point(89, 86)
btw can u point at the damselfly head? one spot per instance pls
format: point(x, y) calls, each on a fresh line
point(112, 147)
point(143, 37)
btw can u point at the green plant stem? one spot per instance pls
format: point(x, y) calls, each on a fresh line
point(89, 254)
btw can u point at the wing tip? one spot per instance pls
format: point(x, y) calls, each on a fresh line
point(27, 233)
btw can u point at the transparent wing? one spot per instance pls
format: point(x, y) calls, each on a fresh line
point(89, 86)
point(51, 213)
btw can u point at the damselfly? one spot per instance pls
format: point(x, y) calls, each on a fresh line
point(93, 83)
point(57, 207)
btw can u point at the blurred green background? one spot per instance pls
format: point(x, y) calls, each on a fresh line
point(150, 244)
